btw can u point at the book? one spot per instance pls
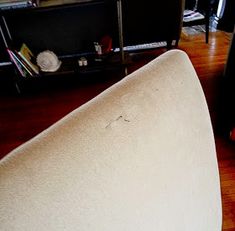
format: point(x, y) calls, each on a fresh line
point(17, 64)
point(190, 15)
point(20, 62)
point(26, 54)
point(25, 66)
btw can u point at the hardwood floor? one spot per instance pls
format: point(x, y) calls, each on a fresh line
point(24, 116)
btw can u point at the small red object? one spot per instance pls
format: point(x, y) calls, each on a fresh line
point(106, 44)
point(232, 134)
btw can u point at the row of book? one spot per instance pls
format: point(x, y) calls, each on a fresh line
point(14, 4)
point(24, 61)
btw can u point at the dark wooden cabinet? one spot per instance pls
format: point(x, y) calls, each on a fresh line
point(65, 29)
point(70, 30)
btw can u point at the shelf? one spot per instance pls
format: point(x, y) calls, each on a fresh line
point(95, 64)
point(48, 5)
point(5, 64)
point(69, 27)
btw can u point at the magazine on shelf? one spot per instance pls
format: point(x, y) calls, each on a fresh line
point(26, 54)
point(190, 15)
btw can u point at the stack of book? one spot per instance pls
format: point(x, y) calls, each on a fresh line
point(190, 15)
point(24, 61)
point(14, 4)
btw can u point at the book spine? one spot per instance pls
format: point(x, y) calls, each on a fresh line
point(28, 63)
point(23, 63)
point(17, 64)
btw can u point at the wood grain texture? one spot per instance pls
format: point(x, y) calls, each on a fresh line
point(24, 116)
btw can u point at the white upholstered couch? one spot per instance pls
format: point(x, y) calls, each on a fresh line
point(138, 157)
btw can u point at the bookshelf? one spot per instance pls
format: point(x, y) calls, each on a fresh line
point(70, 28)
point(42, 28)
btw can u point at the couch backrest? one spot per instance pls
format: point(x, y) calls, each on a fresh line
point(140, 156)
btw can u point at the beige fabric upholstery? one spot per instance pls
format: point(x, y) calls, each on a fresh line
point(139, 157)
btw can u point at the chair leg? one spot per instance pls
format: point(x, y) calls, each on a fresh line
point(207, 35)
point(207, 27)
point(207, 18)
